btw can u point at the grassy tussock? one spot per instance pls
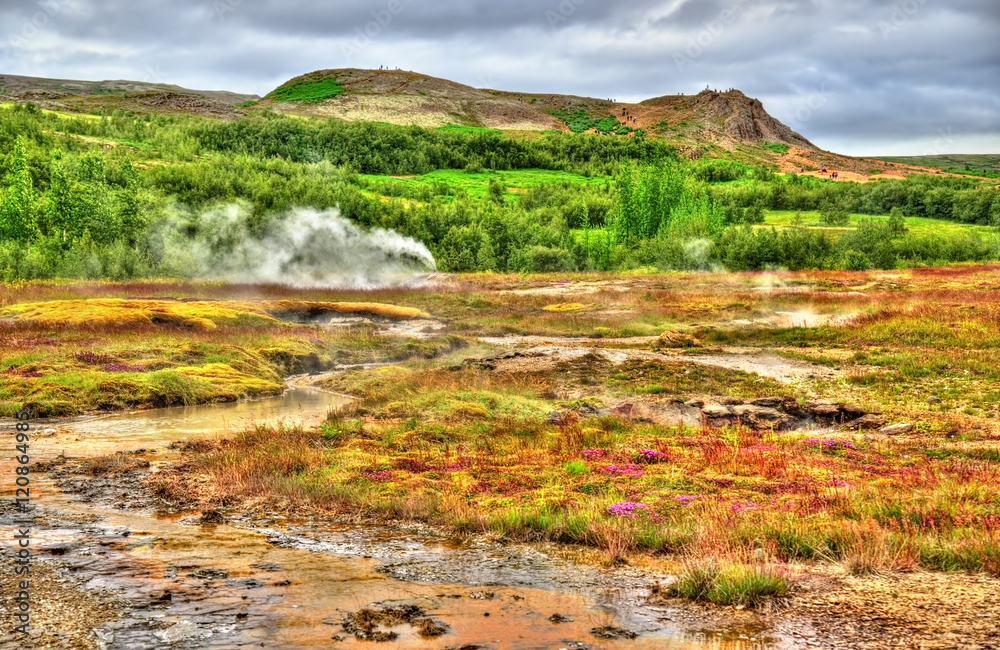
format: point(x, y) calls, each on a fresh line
point(567, 307)
point(730, 583)
point(114, 464)
point(227, 378)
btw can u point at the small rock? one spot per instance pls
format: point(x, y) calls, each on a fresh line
point(896, 429)
point(209, 574)
point(611, 632)
point(716, 411)
point(754, 414)
point(212, 517)
point(676, 340)
point(824, 409)
point(559, 618)
point(933, 400)
point(161, 595)
point(694, 403)
point(869, 421)
point(852, 410)
point(624, 410)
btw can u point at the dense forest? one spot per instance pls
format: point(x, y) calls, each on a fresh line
point(89, 196)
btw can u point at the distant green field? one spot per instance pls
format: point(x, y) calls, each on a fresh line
point(955, 162)
point(82, 116)
point(456, 128)
point(916, 225)
point(476, 185)
point(781, 219)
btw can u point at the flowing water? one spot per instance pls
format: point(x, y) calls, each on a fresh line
point(279, 583)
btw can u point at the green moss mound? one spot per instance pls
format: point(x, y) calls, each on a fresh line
point(306, 89)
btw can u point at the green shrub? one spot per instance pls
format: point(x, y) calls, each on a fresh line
point(736, 584)
point(543, 259)
point(834, 214)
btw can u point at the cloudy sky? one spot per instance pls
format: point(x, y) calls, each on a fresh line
point(861, 77)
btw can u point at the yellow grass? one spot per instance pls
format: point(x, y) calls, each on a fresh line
point(221, 374)
point(113, 311)
point(202, 314)
point(378, 309)
point(567, 307)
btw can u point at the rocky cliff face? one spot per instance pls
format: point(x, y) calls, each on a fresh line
point(744, 118)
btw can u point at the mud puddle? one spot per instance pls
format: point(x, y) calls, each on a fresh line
point(276, 583)
point(544, 353)
point(154, 429)
point(576, 288)
point(508, 341)
point(195, 585)
point(547, 357)
point(764, 364)
point(417, 328)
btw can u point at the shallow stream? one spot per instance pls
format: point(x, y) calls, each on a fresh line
point(279, 583)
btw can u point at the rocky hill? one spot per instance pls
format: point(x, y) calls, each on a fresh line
point(720, 124)
point(136, 96)
point(402, 97)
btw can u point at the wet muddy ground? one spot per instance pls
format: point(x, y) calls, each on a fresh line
point(154, 577)
point(118, 567)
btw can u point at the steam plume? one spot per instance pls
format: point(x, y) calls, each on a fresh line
point(305, 248)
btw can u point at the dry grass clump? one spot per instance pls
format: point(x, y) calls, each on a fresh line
point(198, 315)
point(113, 464)
point(315, 308)
point(228, 378)
point(567, 307)
point(730, 583)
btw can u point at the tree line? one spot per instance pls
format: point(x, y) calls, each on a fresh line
point(81, 197)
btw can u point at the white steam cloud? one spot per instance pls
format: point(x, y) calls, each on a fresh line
point(304, 248)
point(697, 254)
